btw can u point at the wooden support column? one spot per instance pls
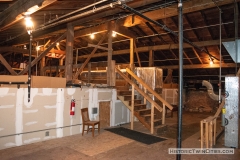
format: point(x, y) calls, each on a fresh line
point(89, 72)
point(61, 64)
point(151, 58)
point(69, 52)
point(109, 61)
point(43, 64)
point(131, 54)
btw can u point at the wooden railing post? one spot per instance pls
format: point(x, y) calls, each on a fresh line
point(132, 107)
point(144, 100)
point(152, 118)
point(163, 114)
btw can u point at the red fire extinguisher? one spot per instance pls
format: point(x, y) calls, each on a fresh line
point(72, 108)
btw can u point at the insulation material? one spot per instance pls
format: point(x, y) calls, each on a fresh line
point(152, 76)
point(47, 115)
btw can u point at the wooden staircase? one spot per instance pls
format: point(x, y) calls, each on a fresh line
point(145, 115)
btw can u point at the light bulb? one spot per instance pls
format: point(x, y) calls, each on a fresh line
point(114, 34)
point(92, 36)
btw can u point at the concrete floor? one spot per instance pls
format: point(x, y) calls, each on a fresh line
point(108, 145)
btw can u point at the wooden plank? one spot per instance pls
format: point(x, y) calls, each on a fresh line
point(43, 54)
point(149, 89)
point(104, 114)
point(6, 64)
point(132, 108)
point(89, 57)
point(152, 118)
point(139, 90)
point(135, 48)
point(163, 114)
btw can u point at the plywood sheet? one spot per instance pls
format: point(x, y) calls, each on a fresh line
point(104, 114)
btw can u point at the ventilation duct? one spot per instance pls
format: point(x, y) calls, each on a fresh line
point(210, 90)
point(231, 47)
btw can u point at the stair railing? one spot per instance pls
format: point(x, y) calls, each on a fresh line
point(145, 95)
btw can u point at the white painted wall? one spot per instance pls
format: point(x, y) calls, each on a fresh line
point(23, 122)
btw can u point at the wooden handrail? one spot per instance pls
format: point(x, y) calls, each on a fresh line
point(139, 90)
point(149, 89)
point(219, 108)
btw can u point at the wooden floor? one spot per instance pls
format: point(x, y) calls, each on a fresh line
point(110, 146)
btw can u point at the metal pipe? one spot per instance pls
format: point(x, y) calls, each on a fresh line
point(220, 51)
point(29, 67)
point(236, 31)
point(111, 5)
point(180, 80)
point(164, 27)
point(81, 9)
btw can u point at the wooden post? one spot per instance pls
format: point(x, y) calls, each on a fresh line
point(201, 126)
point(144, 100)
point(152, 118)
point(89, 72)
point(109, 60)
point(214, 132)
point(113, 73)
point(163, 114)
point(151, 58)
point(206, 135)
point(69, 52)
point(131, 54)
point(132, 108)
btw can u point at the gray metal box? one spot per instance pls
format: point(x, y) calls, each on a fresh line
point(232, 109)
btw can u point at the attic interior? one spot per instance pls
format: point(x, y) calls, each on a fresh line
point(121, 51)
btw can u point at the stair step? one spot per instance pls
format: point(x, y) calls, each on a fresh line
point(136, 101)
point(124, 92)
point(122, 87)
point(157, 122)
point(144, 111)
point(129, 97)
point(139, 106)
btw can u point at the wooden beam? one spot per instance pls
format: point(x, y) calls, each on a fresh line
point(6, 64)
point(188, 7)
point(195, 52)
point(100, 47)
point(89, 57)
point(160, 47)
point(195, 66)
point(43, 54)
point(135, 49)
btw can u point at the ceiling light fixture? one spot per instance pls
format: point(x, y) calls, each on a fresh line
point(211, 60)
